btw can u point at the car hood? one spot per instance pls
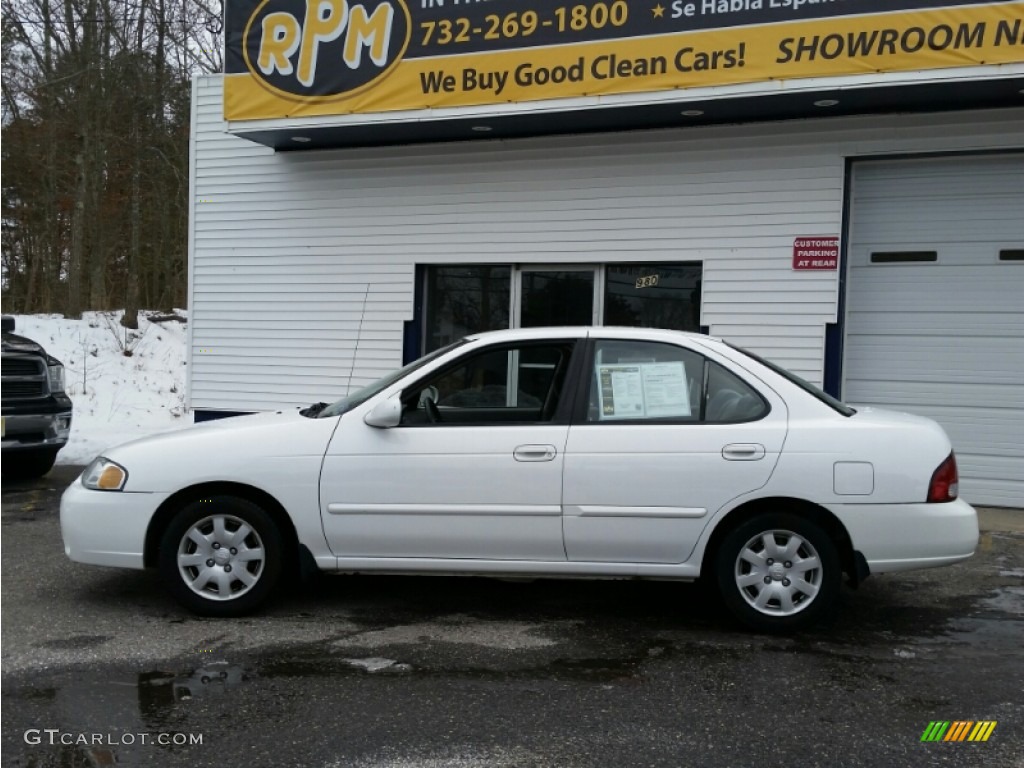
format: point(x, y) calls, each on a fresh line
point(237, 449)
point(234, 425)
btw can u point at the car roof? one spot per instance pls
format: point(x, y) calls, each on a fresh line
point(583, 331)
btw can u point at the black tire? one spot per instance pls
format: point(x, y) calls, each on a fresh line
point(28, 465)
point(794, 585)
point(236, 571)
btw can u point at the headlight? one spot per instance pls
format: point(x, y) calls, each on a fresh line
point(56, 375)
point(104, 475)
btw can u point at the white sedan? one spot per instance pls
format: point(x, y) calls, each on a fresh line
point(554, 452)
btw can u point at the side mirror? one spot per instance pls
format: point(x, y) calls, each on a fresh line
point(8, 324)
point(386, 414)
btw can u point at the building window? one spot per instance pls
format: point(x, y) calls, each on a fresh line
point(463, 300)
point(556, 297)
point(653, 295)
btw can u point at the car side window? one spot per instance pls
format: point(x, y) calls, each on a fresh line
point(650, 381)
point(507, 384)
point(729, 399)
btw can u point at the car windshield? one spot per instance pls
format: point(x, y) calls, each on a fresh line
point(837, 405)
point(360, 396)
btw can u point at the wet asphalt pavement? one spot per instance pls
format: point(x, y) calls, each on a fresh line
point(100, 667)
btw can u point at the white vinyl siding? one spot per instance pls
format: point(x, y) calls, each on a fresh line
point(286, 306)
point(285, 244)
point(944, 339)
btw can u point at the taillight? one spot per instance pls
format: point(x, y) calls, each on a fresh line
point(945, 484)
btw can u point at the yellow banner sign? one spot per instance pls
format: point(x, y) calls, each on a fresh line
point(304, 58)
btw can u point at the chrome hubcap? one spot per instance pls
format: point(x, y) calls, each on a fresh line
point(220, 557)
point(778, 573)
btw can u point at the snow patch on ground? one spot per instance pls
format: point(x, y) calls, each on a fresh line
point(116, 398)
point(377, 664)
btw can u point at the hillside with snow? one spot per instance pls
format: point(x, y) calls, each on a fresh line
point(117, 396)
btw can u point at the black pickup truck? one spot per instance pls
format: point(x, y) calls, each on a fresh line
point(36, 411)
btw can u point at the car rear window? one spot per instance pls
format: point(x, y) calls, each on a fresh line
point(837, 405)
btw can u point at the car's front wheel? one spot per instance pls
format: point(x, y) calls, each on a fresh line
point(221, 556)
point(778, 572)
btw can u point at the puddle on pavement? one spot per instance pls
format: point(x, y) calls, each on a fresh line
point(991, 623)
point(157, 689)
point(596, 670)
point(985, 634)
point(39, 694)
point(151, 703)
point(458, 629)
point(1009, 600)
point(582, 669)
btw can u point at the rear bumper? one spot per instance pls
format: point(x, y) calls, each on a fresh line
point(106, 527)
point(904, 537)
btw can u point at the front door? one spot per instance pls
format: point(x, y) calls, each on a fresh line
point(474, 470)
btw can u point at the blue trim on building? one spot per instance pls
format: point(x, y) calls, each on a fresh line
point(835, 333)
point(412, 335)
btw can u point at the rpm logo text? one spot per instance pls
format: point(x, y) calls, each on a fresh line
point(958, 730)
point(325, 48)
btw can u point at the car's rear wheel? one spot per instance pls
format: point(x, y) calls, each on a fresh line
point(221, 556)
point(778, 572)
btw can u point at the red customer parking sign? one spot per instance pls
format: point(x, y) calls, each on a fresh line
point(816, 253)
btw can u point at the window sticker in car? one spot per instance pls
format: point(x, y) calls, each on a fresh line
point(665, 391)
point(643, 391)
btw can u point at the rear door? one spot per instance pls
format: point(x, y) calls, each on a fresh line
point(663, 438)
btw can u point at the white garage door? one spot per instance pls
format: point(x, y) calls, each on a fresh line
point(935, 307)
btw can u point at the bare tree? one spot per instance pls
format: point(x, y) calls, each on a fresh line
point(95, 99)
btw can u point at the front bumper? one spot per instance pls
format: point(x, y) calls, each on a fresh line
point(33, 431)
point(904, 537)
point(106, 527)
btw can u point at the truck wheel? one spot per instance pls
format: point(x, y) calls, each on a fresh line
point(28, 465)
point(778, 572)
point(221, 556)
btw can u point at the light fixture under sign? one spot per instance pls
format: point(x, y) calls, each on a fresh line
point(826, 102)
point(482, 128)
point(692, 112)
point(301, 139)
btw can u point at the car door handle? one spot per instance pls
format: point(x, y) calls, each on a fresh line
point(535, 453)
point(743, 452)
